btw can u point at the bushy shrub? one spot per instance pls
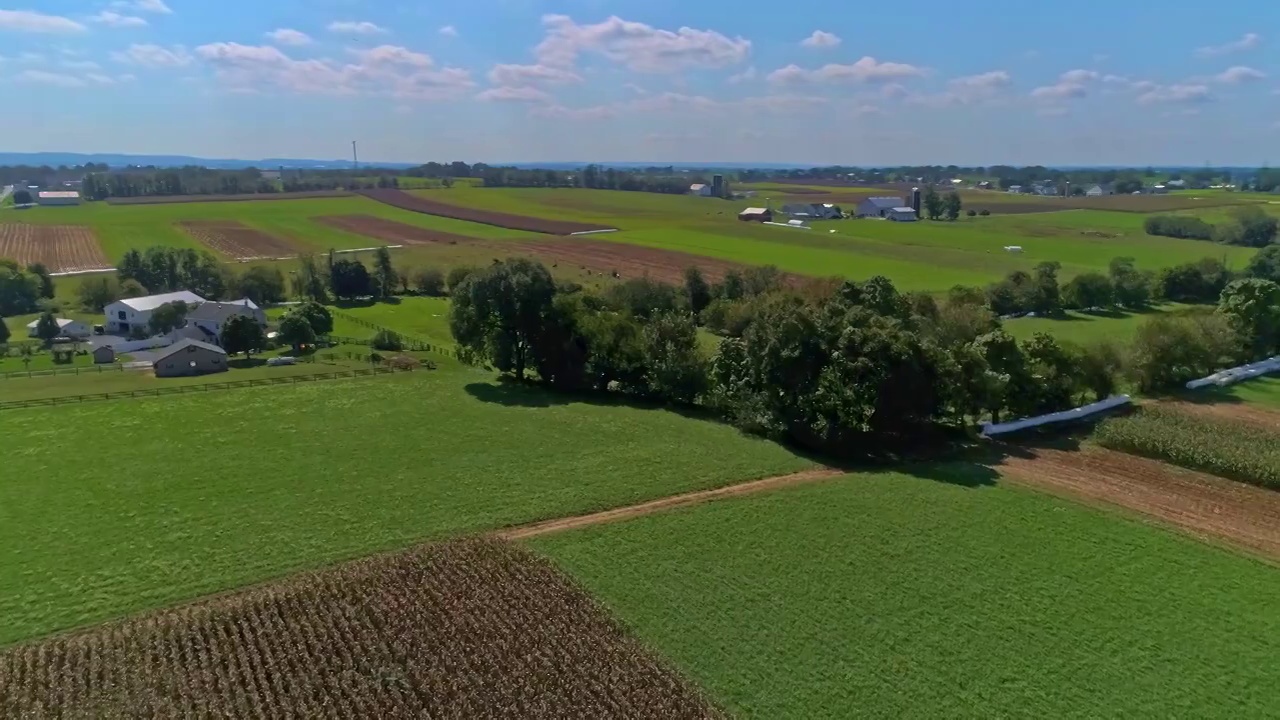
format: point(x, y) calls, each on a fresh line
point(387, 340)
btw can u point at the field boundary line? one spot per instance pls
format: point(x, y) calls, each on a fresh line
point(671, 502)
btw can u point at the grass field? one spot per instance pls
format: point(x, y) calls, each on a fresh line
point(117, 506)
point(932, 594)
point(1263, 391)
point(1085, 328)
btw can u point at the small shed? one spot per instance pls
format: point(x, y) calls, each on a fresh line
point(901, 214)
point(104, 355)
point(756, 214)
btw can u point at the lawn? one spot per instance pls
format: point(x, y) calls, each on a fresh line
point(420, 318)
point(1259, 391)
point(1087, 328)
point(936, 595)
point(166, 499)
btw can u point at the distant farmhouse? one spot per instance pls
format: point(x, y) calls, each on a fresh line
point(124, 315)
point(878, 207)
point(58, 197)
point(700, 190)
point(756, 214)
point(812, 211)
point(1100, 190)
point(211, 317)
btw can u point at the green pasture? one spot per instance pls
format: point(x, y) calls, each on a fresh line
point(1088, 328)
point(166, 499)
point(1264, 391)
point(937, 592)
point(421, 318)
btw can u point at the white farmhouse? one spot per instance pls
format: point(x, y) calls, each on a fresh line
point(66, 328)
point(700, 190)
point(124, 315)
point(1100, 190)
point(211, 317)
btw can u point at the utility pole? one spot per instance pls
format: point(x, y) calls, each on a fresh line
point(355, 159)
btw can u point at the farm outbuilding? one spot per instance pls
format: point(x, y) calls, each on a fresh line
point(190, 357)
point(878, 207)
point(103, 355)
point(58, 197)
point(700, 190)
point(66, 328)
point(124, 315)
point(756, 214)
point(901, 214)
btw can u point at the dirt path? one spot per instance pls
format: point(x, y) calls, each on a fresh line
point(1237, 412)
point(675, 501)
point(1203, 505)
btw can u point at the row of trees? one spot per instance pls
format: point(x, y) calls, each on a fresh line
point(833, 365)
point(1247, 226)
point(938, 206)
point(22, 288)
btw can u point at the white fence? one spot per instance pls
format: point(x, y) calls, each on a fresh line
point(1231, 376)
point(594, 232)
point(1079, 413)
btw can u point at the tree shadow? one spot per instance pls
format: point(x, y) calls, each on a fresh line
point(243, 364)
point(365, 303)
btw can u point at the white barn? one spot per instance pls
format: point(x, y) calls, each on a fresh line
point(901, 214)
point(878, 206)
point(124, 315)
point(700, 190)
point(66, 328)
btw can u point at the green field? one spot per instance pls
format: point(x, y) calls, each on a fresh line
point(118, 506)
point(1086, 328)
point(420, 318)
point(930, 594)
point(1263, 391)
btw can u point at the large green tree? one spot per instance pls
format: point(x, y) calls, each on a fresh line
point(697, 291)
point(500, 314)
point(1265, 265)
point(168, 317)
point(4, 332)
point(317, 316)
point(19, 289)
point(261, 284)
point(1088, 290)
point(1253, 307)
point(675, 368)
point(243, 334)
point(46, 280)
point(933, 204)
point(296, 331)
point(47, 328)
point(952, 205)
point(384, 273)
point(97, 292)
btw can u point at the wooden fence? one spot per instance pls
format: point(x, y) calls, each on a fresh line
point(84, 370)
point(409, 342)
point(199, 388)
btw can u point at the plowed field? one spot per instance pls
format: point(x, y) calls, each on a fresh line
point(392, 231)
point(628, 260)
point(405, 201)
point(468, 629)
point(161, 199)
point(236, 240)
point(1203, 505)
point(62, 248)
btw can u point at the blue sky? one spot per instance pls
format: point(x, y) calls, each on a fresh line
point(807, 81)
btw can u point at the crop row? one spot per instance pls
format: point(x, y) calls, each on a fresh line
point(471, 629)
point(1230, 449)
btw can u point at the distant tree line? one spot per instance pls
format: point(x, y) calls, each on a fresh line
point(23, 288)
point(1247, 226)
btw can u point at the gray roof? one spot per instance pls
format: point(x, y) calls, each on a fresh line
point(151, 302)
point(904, 209)
point(183, 345)
point(62, 323)
point(885, 203)
point(219, 311)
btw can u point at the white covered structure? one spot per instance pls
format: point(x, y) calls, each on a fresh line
point(877, 206)
point(124, 315)
point(58, 197)
point(901, 214)
point(700, 190)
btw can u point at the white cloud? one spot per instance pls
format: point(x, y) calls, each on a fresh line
point(41, 77)
point(514, 75)
point(448, 31)
point(1239, 74)
point(682, 104)
point(638, 46)
point(116, 20)
point(967, 90)
point(384, 71)
point(149, 6)
point(82, 65)
point(34, 22)
point(153, 56)
point(748, 75)
point(821, 39)
point(353, 27)
point(635, 89)
point(1248, 41)
point(1180, 94)
point(514, 94)
point(289, 36)
point(1071, 84)
point(866, 70)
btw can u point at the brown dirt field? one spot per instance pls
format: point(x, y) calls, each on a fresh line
point(667, 503)
point(1203, 505)
point(237, 240)
point(391, 231)
point(463, 629)
point(160, 199)
point(628, 260)
point(62, 248)
point(1235, 412)
point(414, 203)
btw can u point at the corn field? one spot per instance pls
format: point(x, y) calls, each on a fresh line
point(1230, 449)
point(465, 629)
